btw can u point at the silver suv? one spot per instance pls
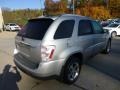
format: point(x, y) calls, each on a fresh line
point(58, 46)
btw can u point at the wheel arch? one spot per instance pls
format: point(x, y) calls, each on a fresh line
point(78, 55)
point(113, 32)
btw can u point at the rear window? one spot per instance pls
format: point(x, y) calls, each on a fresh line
point(35, 28)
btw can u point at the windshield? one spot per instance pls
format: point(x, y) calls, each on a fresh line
point(35, 28)
point(113, 25)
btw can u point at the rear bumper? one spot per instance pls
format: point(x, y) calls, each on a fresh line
point(44, 69)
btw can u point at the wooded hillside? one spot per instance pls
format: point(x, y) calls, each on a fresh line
point(97, 9)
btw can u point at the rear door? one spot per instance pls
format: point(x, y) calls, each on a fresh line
point(28, 40)
point(99, 37)
point(85, 37)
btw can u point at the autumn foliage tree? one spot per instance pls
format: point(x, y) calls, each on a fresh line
point(114, 7)
point(55, 8)
point(97, 9)
point(94, 9)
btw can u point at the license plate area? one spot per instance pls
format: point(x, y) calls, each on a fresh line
point(24, 49)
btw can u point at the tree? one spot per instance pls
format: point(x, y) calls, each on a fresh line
point(114, 7)
point(55, 7)
point(20, 16)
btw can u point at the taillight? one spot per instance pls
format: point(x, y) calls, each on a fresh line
point(47, 52)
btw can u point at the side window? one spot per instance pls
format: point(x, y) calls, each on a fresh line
point(84, 27)
point(65, 29)
point(97, 28)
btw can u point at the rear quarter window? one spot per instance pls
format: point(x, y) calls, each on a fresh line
point(65, 29)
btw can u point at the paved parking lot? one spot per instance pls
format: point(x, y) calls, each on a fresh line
point(100, 73)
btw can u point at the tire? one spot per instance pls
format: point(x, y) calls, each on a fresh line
point(108, 48)
point(71, 70)
point(5, 29)
point(113, 34)
point(10, 30)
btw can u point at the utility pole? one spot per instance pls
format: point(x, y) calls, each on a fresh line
point(41, 7)
point(73, 6)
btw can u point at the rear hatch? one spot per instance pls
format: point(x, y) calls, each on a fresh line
point(28, 40)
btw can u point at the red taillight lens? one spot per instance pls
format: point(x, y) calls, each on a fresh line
point(47, 52)
point(51, 54)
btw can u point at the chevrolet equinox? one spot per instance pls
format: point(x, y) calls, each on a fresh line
point(58, 46)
